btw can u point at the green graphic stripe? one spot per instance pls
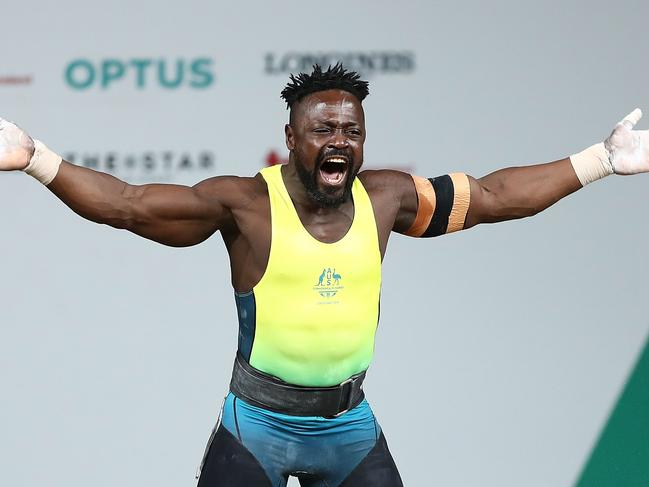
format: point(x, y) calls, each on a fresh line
point(621, 456)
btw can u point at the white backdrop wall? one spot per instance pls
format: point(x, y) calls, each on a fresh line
point(500, 351)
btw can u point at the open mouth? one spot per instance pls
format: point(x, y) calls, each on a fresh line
point(333, 170)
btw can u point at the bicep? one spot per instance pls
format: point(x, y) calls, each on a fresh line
point(180, 215)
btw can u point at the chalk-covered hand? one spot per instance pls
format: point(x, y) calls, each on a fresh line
point(628, 149)
point(16, 147)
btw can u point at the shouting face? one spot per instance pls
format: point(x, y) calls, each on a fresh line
point(325, 136)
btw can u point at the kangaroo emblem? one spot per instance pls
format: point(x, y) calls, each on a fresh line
point(322, 276)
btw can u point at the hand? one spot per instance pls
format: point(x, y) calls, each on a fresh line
point(16, 147)
point(628, 149)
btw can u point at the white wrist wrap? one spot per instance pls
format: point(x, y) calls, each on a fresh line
point(592, 164)
point(44, 164)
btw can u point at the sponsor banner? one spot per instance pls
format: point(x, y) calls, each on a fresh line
point(368, 64)
point(139, 73)
point(165, 165)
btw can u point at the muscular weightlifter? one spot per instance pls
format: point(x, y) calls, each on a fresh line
point(306, 241)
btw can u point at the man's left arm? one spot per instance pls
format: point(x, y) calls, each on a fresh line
point(518, 192)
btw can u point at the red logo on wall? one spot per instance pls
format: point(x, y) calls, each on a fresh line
point(15, 80)
point(273, 158)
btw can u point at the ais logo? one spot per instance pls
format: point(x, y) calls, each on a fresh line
point(140, 73)
point(329, 283)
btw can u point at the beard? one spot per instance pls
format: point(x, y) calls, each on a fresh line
point(327, 198)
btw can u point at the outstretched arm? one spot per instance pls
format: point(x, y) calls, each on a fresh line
point(460, 201)
point(524, 191)
point(170, 214)
point(517, 192)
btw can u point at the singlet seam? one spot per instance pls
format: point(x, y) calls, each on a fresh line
point(376, 222)
point(267, 182)
point(236, 419)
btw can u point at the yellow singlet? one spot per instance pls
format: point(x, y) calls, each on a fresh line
point(311, 319)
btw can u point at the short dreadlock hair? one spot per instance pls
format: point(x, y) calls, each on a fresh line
point(334, 78)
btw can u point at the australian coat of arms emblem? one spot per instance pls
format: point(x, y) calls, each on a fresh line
point(329, 282)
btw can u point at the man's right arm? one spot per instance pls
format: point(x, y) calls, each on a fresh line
point(170, 214)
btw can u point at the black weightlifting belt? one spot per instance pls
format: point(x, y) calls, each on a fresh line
point(266, 391)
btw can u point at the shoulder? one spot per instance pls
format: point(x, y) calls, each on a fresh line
point(387, 182)
point(394, 193)
point(233, 192)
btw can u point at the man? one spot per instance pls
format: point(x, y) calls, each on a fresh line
point(306, 241)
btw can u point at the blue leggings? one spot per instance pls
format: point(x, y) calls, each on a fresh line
point(255, 447)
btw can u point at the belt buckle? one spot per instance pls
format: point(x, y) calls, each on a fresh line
point(350, 397)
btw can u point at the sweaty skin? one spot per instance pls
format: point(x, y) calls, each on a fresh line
point(239, 206)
